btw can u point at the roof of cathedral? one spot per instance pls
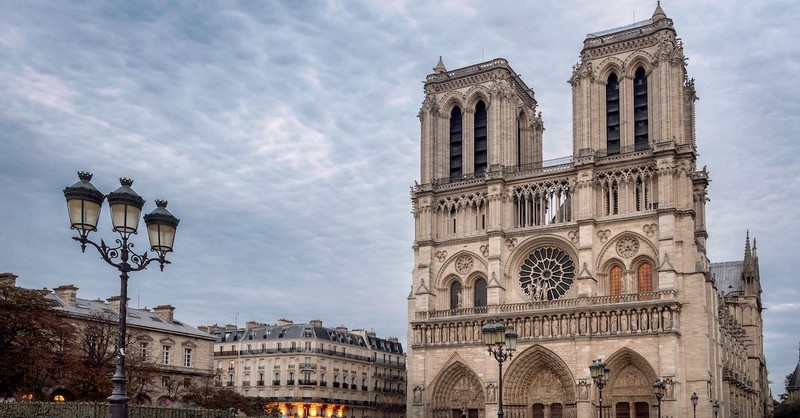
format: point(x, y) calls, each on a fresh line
point(794, 378)
point(658, 14)
point(274, 332)
point(142, 318)
point(728, 276)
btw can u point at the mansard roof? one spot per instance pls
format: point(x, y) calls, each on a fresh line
point(728, 276)
point(273, 332)
point(138, 318)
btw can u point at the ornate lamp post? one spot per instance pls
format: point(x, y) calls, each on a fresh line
point(694, 404)
point(501, 343)
point(715, 408)
point(599, 374)
point(658, 389)
point(84, 202)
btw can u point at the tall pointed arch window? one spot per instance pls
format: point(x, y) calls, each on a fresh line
point(455, 143)
point(640, 122)
point(455, 295)
point(615, 281)
point(644, 278)
point(480, 138)
point(479, 299)
point(612, 115)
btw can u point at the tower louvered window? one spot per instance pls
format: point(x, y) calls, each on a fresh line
point(612, 115)
point(480, 138)
point(640, 125)
point(455, 143)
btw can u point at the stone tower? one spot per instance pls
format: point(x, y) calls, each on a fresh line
point(601, 254)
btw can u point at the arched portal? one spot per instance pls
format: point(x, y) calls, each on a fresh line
point(457, 392)
point(630, 384)
point(538, 383)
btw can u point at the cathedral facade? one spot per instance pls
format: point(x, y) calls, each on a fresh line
point(600, 255)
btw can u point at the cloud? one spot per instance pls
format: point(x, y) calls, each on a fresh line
point(285, 137)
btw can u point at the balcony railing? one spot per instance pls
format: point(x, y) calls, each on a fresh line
point(260, 383)
point(324, 384)
point(276, 382)
point(336, 384)
point(229, 384)
point(290, 383)
point(307, 382)
point(547, 304)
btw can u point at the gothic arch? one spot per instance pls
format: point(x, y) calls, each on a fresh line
point(631, 376)
point(538, 375)
point(608, 66)
point(609, 250)
point(636, 60)
point(449, 268)
point(456, 386)
point(476, 94)
point(451, 100)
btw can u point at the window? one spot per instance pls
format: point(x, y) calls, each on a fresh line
point(187, 357)
point(455, 143)
point(165, 381)
point(143, 347)
point(455, 295)
point(480, 293)
point(230, 365)
point(645, 278)
point(165, 357)
point(612, 115)
point(556, 410)
point(640, 124)
point(480, 138)
point(615, 283)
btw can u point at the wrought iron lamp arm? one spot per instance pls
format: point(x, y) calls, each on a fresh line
point(124, 252)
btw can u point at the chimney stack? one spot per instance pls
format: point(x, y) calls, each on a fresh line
point(284, 321)
point(315, 323)
point(67, 293)
point(165, 312)
point(8, 279)
point(113, 303)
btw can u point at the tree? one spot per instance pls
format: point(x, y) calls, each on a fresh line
point(35, 344)
point(786, 409)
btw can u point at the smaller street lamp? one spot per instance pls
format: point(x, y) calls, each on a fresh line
point(501, 343)
point(715, 408)
point(599, 374)
point(658, 389)
point(694, 404)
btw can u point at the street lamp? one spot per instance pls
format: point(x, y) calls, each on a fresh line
point(694, 404)
point(496, 336)
point(658, 389)
point(84, 202)
point(599, 374)
point(715, 408)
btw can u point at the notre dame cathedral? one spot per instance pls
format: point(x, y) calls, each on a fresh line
point(601, 255)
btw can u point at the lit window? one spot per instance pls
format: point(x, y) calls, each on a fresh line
point(616, 281)
point(645, 278)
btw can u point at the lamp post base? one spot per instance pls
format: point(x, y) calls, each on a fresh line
point(118, 410)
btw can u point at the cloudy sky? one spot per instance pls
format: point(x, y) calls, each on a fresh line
point(284, 135)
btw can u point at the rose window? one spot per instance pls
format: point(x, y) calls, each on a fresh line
point(547, 274)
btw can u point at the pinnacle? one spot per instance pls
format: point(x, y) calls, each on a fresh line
point(658, 14)
point(439, 68)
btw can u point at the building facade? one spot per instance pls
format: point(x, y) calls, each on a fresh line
point(165, 356)
point(599, 255)
point(310, 370)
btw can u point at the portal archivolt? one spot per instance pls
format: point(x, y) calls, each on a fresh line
point(457, 389)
